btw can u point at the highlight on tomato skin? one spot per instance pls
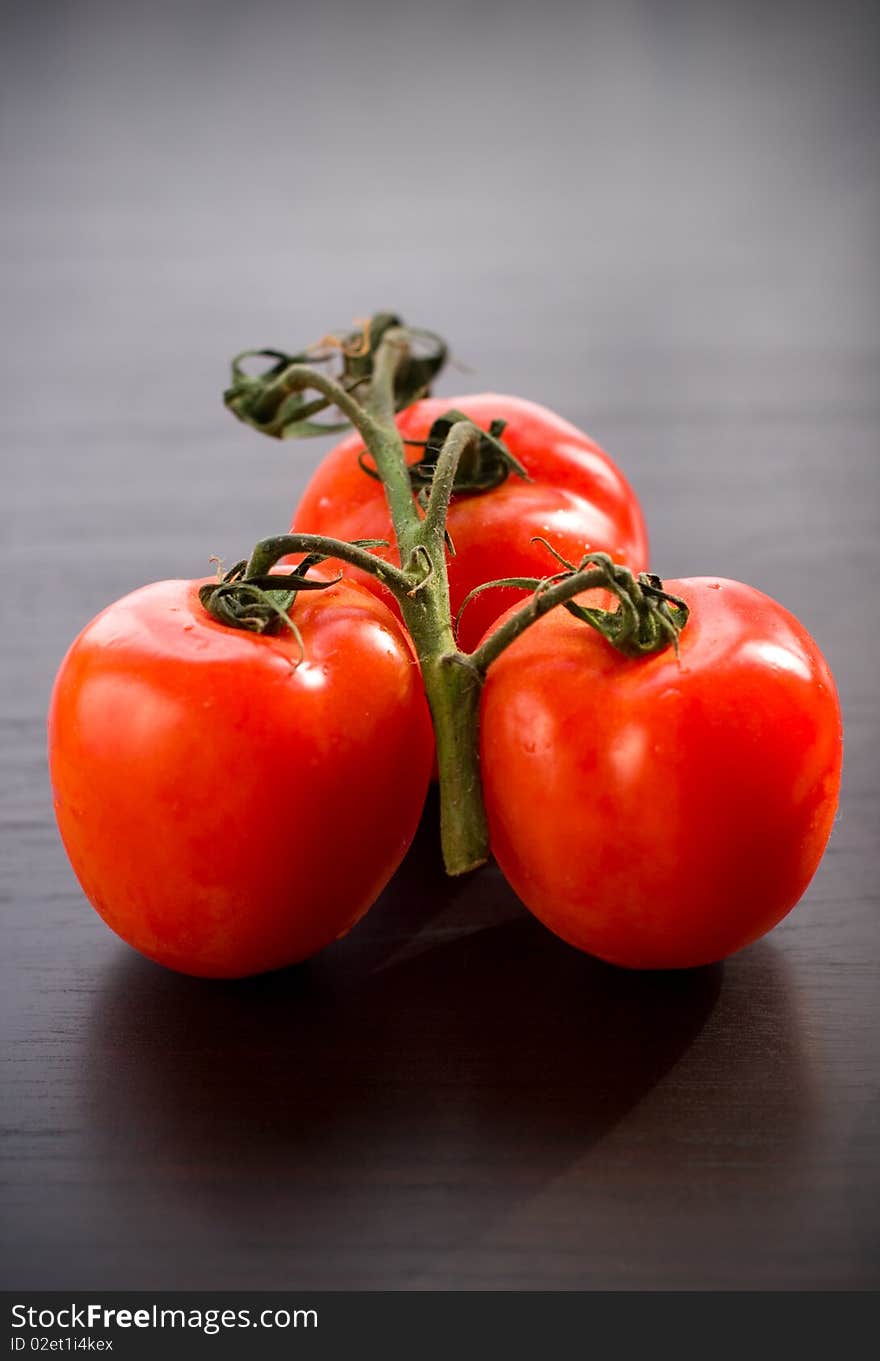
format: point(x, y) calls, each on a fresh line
point(663, 812)
point(577, 497)
point(227, 808)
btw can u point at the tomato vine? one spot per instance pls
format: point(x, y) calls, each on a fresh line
point(384, 367)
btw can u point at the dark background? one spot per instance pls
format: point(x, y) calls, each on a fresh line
point(660, 219)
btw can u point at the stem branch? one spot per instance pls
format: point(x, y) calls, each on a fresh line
point(543, 600)
point(460, 438)
point(301, 377)
point(647, 618)
point(269, 551)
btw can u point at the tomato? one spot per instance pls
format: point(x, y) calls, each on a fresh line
point(225, 810)
point(663, 812)
point(578, 499)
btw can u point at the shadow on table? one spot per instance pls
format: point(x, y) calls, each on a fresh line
point(458, 1035)
point(499, 1033)
point(448, 1059)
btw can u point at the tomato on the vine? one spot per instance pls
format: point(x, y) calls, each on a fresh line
point(227, 807)
point(664, 811)
point(576, 496)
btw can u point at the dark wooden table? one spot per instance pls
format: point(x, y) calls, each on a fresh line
point(657, 219)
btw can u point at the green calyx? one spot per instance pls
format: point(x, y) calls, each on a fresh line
point(486, 463)
point(260, 604)
point(251, 597)
point(647, 619)
point(278, 401)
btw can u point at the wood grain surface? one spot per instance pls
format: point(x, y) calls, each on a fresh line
point(656, 219)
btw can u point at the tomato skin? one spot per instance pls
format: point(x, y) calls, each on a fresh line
point(657, 813)
point(578, 499)
point(224, 812)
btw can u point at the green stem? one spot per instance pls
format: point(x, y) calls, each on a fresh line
point(453, 688)
point(451, 685)
point(385, 444)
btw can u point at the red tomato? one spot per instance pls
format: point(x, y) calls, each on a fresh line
point(578, 499)
point(663, 812)
point(225, 811)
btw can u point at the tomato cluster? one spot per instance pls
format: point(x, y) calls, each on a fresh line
point(233, 798)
